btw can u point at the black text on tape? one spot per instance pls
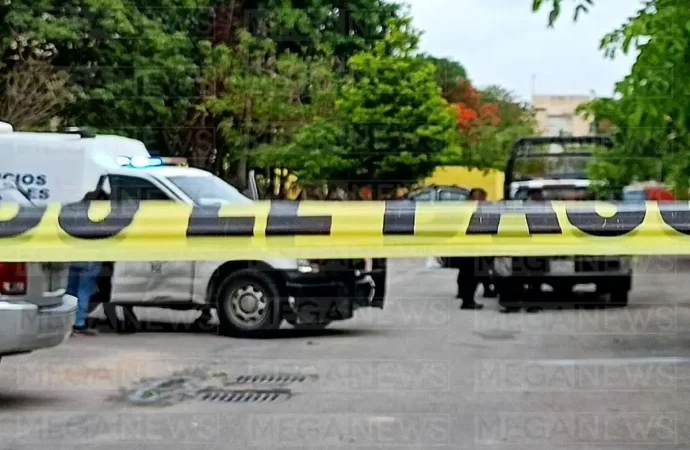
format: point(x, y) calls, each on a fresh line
point(205, 221)
point(283, 220)
point(399, 217)
point(589, 221)
point(74, 220)
point(27, 218)
point(541, 218)
point(676, 216)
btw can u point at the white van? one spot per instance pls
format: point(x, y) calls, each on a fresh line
point(249, 296)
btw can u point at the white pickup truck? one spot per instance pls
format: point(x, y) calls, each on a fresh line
point(34, 312)
point(249, 296)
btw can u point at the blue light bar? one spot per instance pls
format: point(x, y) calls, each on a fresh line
point(139, 162)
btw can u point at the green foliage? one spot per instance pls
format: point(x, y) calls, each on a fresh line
point(259, 96)
point(132, 67)
point(340, 28)
point(581, 7)
point(334, 90)
point(390, 123)
point(494, 144)
point(649, 111)
point(448, 73)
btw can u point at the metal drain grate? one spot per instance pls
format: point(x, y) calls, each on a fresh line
point(270, 379)
point(246, 396)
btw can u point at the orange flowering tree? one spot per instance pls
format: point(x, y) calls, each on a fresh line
point(488, 122)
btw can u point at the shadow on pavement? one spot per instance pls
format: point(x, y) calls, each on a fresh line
point(546, 301)
point(212, 329)
point(19, 400)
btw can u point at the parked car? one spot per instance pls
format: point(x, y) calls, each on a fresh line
point(439, 194)
point(34, 312)
point(556, 167)
point(648, 191)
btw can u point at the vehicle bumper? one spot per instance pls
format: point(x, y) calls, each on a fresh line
point(25, 327)
point(613, 273)
point(329, 298)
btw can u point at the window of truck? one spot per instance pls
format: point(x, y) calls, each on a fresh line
point(205, 190)
point(124, 188)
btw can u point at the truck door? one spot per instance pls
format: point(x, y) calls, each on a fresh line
point(148, 281)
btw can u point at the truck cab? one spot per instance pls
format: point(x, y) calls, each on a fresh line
point(555, 168)
point(249, 296)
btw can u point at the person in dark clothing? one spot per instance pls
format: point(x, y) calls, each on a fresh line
point(471, 270)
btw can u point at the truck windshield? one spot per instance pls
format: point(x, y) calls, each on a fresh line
point(209, 190)
point(554, 161)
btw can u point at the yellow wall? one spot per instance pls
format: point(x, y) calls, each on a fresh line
point(491, 181)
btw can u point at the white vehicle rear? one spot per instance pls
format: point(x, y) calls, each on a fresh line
point(249, 296)
point(34, 312)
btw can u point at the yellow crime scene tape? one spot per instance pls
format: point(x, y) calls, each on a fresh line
point(263, 230)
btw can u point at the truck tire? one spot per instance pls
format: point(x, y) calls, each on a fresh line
point(246, 302)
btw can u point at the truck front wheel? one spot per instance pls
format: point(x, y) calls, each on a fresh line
point(246, 302)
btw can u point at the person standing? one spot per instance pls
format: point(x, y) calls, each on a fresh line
point(83, 280)
point(469, 272)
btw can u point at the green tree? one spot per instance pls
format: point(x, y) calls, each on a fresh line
point(390, 124)
point(448, 73)
point(650, 117)
point(305, 29)
point(136, 69)
point(132, 67)
point(262, 97)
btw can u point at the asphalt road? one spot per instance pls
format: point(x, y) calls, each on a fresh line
point(420, 374)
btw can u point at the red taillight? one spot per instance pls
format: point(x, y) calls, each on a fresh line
point(13, 278)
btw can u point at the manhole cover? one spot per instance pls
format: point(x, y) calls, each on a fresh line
point(214, 386)
point(281, 379)
point(246, 396)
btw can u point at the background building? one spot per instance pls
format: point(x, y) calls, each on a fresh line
point(556, 115)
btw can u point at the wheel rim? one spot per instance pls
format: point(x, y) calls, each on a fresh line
point(247, 306)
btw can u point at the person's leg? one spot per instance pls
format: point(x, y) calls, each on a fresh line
point(131, 322)
point(467, 284)
point(485, 272)
point(110, 312)
point(88, 279)
point(468, 292)
point(459, 282)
